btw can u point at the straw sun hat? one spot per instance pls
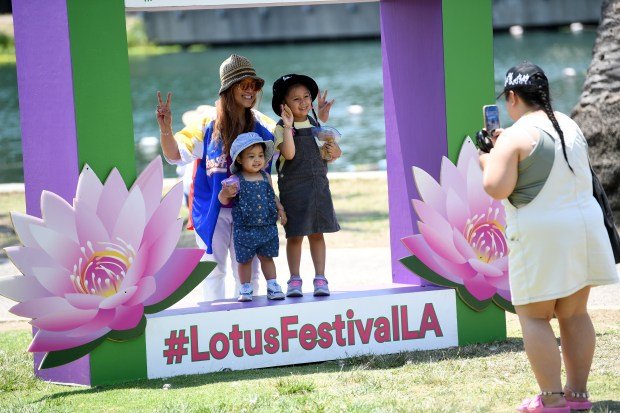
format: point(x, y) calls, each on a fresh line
point(235, 69)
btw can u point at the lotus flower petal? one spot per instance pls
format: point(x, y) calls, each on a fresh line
point(136, 271)
point(461, 244)
point(505, 293)
point(468, 154)
point(181, 263)
point(430, 190)
point(485, 269)
point(418, 246)
point(89, 188)
point(160, 251)
point(146, 288)
point(127, 317)
point(58, 215)
point(26, 258)
point(100, 322)
point(478, 200)
point(23, 225)
point(112, 199)
point(479, 287)
point(44, 340)
point(440, 241)
point(92, 266)
point(457, 210)
point(22, 288)
point(41, 306)
point(56, 280)
point(64, 251)
point(130, 224)
point(168, 211)
point(453, 180)
point(462, 229)
point(90, 227)
point(84, 301)
point(119, 298)
point(64, 320)
point(150, 184)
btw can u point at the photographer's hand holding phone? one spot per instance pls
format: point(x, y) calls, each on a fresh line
point(486, 137)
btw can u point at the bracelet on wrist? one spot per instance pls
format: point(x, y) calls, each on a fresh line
point(166, 133)
point(288, 126)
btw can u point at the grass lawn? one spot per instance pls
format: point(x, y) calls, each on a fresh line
point(478, 378)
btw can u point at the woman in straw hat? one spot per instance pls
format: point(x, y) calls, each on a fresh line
point(207, 145)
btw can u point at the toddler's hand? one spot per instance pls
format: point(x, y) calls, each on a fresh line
point(229, 191)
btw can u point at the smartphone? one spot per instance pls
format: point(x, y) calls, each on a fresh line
point(491, 117)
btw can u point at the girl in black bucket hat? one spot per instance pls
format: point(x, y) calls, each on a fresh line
point(207, 145)
point(302, 176)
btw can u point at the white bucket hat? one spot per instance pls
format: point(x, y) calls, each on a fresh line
point(245, 140)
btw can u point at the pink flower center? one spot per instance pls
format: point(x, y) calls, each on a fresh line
point(102, 272)
point(486, 236)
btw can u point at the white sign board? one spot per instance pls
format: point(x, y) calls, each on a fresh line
point(300, 333)
point(153, 5)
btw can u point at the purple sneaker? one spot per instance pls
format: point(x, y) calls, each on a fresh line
point(293, 288)
point(320, 287)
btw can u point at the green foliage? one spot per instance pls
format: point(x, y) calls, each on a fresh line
point(7, 42)
point(136, 35)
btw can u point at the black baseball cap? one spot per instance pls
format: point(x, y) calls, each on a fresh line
point(525, 74)
point(282, 84)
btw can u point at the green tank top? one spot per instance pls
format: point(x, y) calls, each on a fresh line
point(534, 171)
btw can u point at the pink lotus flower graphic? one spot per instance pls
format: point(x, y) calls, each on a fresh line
point(92, 270)
point(461, 243)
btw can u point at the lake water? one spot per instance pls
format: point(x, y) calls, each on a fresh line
point(351, 71)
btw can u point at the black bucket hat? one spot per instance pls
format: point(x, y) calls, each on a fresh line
point(524, 75)
point(282, 85)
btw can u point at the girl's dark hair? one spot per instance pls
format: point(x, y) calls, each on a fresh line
point(228, 126)
point(537, 95)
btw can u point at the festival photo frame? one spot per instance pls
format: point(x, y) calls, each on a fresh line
point(431, 103)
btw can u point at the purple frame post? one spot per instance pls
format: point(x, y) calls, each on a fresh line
point(415, 111)
point(48, 124)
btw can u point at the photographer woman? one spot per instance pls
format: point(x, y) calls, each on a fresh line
point(559, 247)
point(208, 144)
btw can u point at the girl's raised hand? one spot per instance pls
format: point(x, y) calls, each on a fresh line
point(163, 113)
point(287, 115)
point(324, 106)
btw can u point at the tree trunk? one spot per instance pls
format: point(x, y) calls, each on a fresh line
point(598, 111)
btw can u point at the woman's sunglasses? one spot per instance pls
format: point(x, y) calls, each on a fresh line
point(250, 84)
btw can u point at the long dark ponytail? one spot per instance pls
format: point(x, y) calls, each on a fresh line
point(537, 95)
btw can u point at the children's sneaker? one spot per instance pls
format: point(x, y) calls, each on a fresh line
point(274, 291)
point(320, 287)
point(245, 292)
point(293, 288)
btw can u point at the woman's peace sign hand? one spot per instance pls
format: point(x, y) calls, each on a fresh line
point(163, 113)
